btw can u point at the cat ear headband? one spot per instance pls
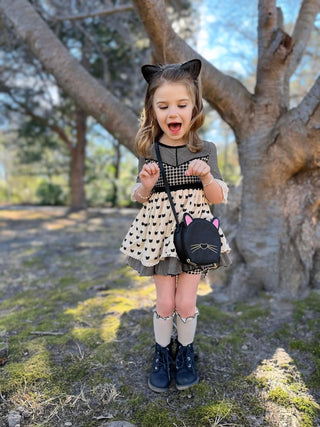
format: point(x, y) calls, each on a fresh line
point(192, 67)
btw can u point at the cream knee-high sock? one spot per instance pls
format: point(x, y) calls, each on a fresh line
point(186, 328)
point(162, 327)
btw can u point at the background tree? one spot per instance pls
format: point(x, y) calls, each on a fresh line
point(107, 43)
point(277, 239)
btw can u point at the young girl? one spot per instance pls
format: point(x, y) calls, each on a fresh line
point(173, 112)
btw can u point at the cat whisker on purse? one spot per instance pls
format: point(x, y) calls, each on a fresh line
point(204, 246)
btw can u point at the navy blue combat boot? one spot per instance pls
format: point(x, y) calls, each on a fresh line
point(185, 370)
point(159, 379)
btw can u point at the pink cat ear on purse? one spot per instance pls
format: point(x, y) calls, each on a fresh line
point(215, 222)
point(188, 219)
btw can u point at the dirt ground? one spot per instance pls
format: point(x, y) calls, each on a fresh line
point(76, 336)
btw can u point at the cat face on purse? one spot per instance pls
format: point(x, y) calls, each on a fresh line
point(201, 235)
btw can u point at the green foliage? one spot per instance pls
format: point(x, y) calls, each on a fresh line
point(50, 194)
point(110, 173)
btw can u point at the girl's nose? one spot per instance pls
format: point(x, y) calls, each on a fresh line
point(173, 112)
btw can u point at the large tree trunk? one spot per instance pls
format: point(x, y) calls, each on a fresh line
point(278, 233)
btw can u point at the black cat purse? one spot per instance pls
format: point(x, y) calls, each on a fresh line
point(197, 240)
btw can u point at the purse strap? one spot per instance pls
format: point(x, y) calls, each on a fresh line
point(166, 184)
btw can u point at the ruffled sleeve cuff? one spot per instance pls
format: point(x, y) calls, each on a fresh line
point(133, 190)
point(225, 190)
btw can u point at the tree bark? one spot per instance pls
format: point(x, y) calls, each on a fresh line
point(77, 167)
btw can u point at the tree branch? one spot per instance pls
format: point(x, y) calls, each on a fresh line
point(84, 89)
point(42, 120)
point(304, 26)
point(124, 8)
point(296, 137)
point(267, 24)
point(224, 93)
point(309, 108)
point(274, 48)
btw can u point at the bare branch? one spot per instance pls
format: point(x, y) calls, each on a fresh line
point(274, 48)
point(268, 20)
point(225, 93)
point(309, 108)
point(85, 90)
point(124, 8)
point(296, 137)
point(304, 26)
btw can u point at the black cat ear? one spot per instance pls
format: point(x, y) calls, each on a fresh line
point(148, 71)
point(193, 67)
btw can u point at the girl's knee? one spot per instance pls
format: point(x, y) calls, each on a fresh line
point(165, 308)
point(186, 308)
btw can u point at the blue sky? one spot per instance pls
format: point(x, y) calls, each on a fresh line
point(228, 39)
point(228, 29)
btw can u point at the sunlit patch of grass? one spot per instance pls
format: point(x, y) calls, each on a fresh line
point(34, 367)
point(154, 414)
point(260, 382)
point(309, 410)
point(213, 413)
point(103, 312)
point(280, 396)
point(58, 224)
point(88, 336)
point(25, 214)
point(109, 328)
point(125, 276)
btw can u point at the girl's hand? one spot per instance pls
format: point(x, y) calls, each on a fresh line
point(149, 175)
point(198, 168)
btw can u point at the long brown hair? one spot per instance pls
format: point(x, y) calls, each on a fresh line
point(157, 75)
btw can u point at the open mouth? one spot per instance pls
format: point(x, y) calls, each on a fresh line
point(174, 127)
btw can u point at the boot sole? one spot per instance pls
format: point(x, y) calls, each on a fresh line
point(185, 386)
point(157, 389)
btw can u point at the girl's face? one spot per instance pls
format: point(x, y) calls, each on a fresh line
point(173, 107)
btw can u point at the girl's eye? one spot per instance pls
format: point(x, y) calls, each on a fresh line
point(163, 108)
point(182, 106)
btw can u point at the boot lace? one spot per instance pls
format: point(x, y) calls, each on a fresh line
point(162, 359)
point(184, 357)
